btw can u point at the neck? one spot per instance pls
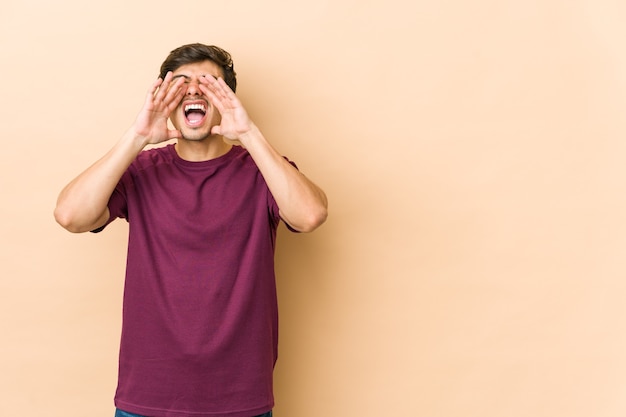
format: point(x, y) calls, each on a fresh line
point(202, 150)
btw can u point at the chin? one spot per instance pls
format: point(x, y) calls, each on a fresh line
point(195, 135)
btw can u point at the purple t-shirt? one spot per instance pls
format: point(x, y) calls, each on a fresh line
point(200, 319)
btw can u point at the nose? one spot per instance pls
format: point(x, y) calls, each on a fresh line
point(192, 88)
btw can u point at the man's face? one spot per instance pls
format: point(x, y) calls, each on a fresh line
point(195, 116)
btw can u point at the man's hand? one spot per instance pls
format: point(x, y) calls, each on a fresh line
point(302, 204)
point(82, 204)
point(235, 121)
point(161, 100)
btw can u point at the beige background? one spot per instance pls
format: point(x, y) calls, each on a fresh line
point(473, 153)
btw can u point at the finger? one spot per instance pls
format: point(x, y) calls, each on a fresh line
point(175, 93)
point(214, 99)
point(217, 85)
point(227, 95)
point(224, 89)
point(171, 105)
point(208, 79)
point(164, 87)
point(152, 91)
point(219, 93)
point(207, 86)
point(220, 89)
point(155, 86)
point(208, 83)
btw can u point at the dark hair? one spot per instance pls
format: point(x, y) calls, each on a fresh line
point(197, 52)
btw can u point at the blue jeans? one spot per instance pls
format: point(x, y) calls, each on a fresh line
point(120, 413)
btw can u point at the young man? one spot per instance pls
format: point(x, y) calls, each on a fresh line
point(199, 333)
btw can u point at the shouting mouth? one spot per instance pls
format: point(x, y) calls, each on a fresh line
point(195, 113)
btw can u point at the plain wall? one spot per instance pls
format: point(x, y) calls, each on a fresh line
point(473, 155)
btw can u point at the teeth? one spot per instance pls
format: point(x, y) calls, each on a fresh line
point(195, 107)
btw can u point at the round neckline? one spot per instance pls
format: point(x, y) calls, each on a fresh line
point(201, 164)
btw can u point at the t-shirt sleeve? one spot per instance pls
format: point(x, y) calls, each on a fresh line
point(117, 204)
point(274, 210)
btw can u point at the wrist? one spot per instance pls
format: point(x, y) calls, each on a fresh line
point(251, 136)
point(135, 141)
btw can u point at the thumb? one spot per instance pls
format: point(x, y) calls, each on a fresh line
point(216, 130)
point(174, 134)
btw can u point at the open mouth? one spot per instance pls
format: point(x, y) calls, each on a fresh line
point(194, 113)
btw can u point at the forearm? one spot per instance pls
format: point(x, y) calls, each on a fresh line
point(82, 204)
point(302, 204)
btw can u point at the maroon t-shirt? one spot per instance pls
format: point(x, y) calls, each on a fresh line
point(200, 320)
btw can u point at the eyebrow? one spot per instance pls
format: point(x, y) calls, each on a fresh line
point(186, 77)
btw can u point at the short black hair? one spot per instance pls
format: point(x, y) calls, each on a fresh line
point(198, 52)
